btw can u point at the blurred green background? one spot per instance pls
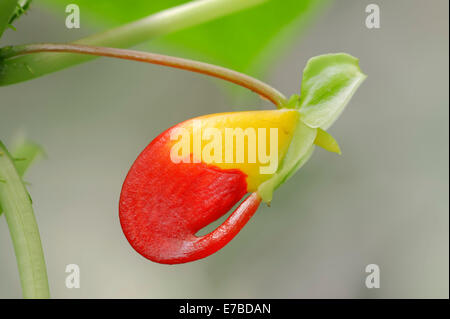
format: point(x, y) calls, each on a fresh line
point(384, 201)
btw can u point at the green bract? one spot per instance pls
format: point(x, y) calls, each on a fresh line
point(329, 81)
point(301, 145)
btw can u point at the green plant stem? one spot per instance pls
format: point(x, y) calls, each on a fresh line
point(257, 86)
point(24, 155)
point(24, 231)
point(167, 21)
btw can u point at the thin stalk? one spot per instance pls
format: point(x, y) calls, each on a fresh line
point(257, 86)
point(168, 21)
point(23, 228)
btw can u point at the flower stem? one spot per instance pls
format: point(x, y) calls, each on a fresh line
point(19, 214)
point(257, 86)
point(168, 21)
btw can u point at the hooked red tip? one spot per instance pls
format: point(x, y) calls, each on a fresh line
point(163, 205)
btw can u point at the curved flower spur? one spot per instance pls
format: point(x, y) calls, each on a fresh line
point(185, 179)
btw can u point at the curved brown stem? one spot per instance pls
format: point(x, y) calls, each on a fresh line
point(255, 85)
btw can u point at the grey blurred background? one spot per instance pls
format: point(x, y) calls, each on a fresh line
point(384, 201)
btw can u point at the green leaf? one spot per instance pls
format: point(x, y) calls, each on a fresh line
point(236, 41)
point(299, 151)
point(7, 10)
point(30, 66)
point(329, 81)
